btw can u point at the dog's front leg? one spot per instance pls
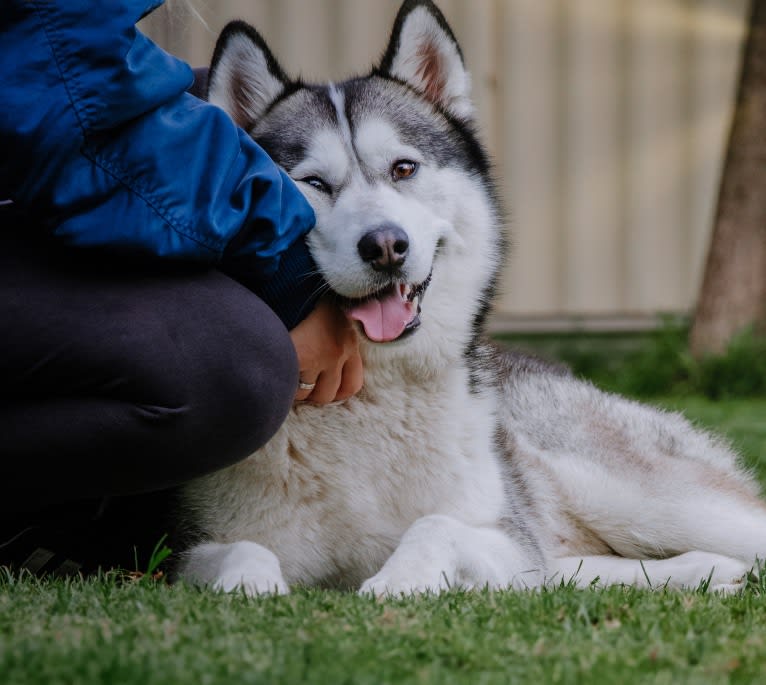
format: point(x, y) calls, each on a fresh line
point(243, 565)
point(439, 552)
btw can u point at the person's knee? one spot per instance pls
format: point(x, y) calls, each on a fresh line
point(258, 391)
point(221, 390)
point(245, 389)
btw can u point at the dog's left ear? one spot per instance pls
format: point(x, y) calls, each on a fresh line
point(244, 77)
point(424, 54)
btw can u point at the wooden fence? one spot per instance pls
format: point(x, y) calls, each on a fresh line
point(607, 121)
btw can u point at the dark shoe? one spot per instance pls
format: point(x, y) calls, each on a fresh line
point(85, 537)
point(32, 550)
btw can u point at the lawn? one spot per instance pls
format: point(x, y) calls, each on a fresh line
point(113, 630)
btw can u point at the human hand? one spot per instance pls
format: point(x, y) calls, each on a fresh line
point(328, 354)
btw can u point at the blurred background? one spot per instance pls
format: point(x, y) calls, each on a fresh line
point(607, 121)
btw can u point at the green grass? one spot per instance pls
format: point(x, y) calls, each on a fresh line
point(656, 363)
point(115, 630)
point(103, 631)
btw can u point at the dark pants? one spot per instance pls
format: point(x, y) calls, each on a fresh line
point(119, 378)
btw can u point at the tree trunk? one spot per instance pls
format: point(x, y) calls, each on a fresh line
point(733, 295)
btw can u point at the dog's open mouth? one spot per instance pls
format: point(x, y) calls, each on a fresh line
point(390, 313)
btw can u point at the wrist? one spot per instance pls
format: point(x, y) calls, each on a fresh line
point(293, 290)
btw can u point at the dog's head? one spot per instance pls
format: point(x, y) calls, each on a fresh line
point(407, 223)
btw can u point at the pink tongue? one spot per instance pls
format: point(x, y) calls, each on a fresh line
point(384, 319)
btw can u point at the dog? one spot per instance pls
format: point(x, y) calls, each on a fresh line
point(459, 464)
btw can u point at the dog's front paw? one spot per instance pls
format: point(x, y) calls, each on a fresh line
point(398, 577)
point(252, 582)
point(239, 566)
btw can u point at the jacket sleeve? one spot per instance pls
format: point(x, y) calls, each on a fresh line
point(101, 144)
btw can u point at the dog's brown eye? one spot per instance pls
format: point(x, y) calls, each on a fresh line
point(404, 168)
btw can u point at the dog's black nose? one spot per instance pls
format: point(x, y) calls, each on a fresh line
point(384, 247)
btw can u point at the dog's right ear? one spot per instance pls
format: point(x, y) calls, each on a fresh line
point(424, 53)
point(244, 77)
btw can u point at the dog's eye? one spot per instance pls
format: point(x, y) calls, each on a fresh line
point(404, 168)
point(318, 183)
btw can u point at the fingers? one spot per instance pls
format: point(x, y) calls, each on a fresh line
point(326, 388)
point(303, 393)
point(334, 385)
point(352, 378)
point(327, 346)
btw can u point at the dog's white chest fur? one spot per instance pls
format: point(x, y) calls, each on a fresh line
point(333, 492)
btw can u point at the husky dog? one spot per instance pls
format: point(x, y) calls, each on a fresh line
point(458, 464)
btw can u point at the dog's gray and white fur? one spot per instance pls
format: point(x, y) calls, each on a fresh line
point(458, 464)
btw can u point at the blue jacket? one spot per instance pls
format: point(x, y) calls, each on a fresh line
point(101, 146)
